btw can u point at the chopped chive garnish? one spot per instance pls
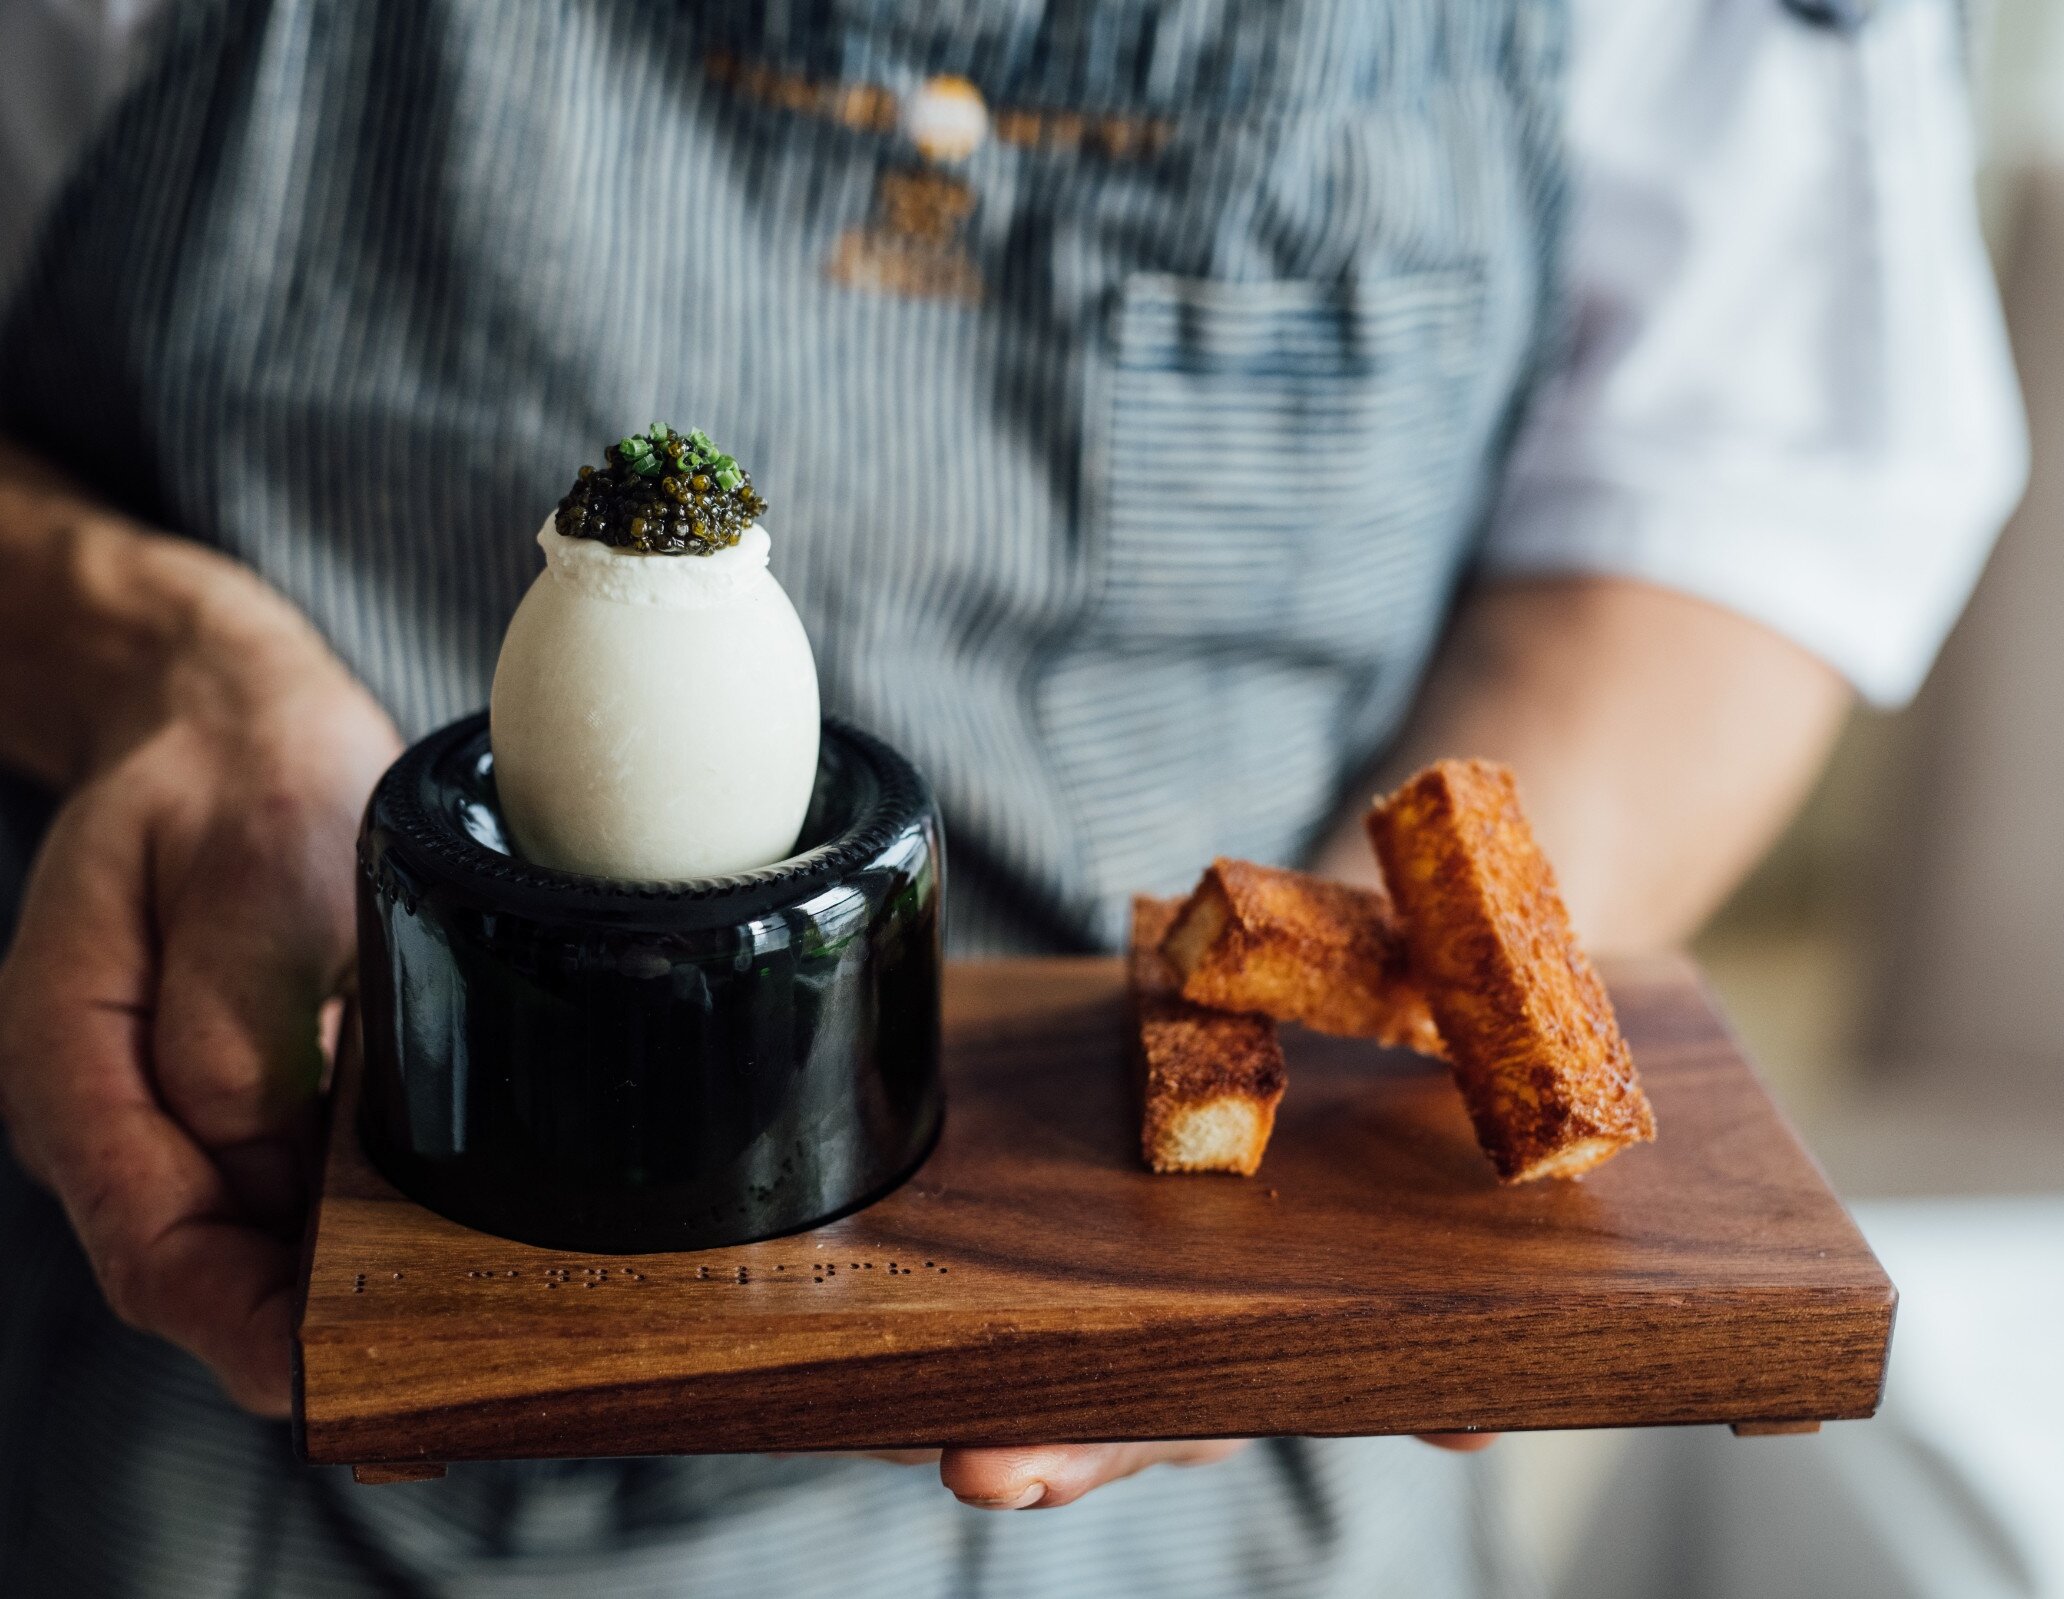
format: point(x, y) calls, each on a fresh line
point(662, 493)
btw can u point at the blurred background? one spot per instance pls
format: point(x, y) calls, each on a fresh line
point(1896, 958)
point(1897, 970)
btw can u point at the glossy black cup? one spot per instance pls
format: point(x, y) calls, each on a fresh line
point(606, 1066)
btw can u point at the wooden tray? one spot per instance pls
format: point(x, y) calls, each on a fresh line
point(1034, 1284)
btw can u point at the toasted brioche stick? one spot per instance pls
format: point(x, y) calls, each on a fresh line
point(1300, 949)
point(1211, 1082)
point(1550, 1085)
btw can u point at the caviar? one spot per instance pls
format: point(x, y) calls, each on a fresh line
point(661, 493)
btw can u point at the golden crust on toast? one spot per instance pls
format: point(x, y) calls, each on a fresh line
point(1210, 1082)
point(1299, 948)
point(1550, 1085)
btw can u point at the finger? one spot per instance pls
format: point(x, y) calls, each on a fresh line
point(254, 943)
point(80, 955)
point(1051, 1475)
point(175, 1256)
point(168, 1243)
point(273, 1179)
point(235, 1048)
point(236, 1058)
point(152, 1212)
point(258, 931)
point(329, 1029)
point(1461, 1443)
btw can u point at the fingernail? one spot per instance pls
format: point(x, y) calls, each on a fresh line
point(1024, 1501)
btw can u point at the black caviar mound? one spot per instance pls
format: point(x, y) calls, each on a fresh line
point(662, 493)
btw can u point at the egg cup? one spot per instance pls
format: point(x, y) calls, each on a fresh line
point(616, 1067)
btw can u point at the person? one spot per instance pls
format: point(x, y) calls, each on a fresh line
point(1176, 420)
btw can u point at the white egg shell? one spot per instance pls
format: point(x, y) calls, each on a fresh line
point(654, 717)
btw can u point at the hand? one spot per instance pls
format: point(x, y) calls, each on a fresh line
point(187, 918)
point(1046, 1476)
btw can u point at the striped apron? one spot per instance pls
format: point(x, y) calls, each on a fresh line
point(1128, 379)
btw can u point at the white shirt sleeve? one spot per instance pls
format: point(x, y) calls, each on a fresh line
point(1788, 389)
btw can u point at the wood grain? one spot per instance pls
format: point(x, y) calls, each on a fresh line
point(1033, 1284)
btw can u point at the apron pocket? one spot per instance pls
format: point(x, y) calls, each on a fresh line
point(1281, 460)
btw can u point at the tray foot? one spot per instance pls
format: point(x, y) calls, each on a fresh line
point(386, 1471)
point(1772, 1429)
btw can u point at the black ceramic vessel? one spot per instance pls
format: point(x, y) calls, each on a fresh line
point(605, 1066)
